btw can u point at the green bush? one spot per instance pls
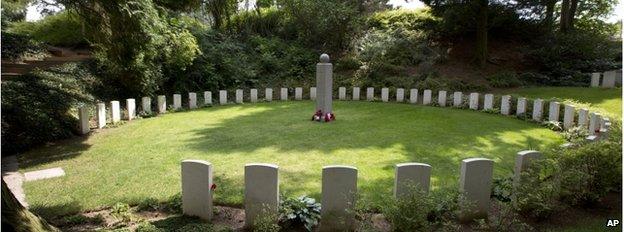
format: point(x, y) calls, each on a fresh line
point(302, 211)
point(16, 47)
point(196, 227)
point(147, 227)
point(61, 29)
point(40, 107)
point(505, 79)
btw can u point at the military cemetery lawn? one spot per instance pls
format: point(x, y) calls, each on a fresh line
point(605, 100)
point(141, 159)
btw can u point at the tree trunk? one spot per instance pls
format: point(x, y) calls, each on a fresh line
point(482, 29)
point(17, 218)
point(564, 19)
point(550, 11)
point(572, 13)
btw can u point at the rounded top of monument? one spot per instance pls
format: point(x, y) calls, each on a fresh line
point(324, 58)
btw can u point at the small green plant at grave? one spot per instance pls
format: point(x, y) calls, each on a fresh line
point(302, 211)
point(410, 211)
point(174, 204)
point(491, 111)
point(504, 219)
point(80, 219)
point(147, 227)
point(266, 222)
point(502, 188)
point(149, 204)
point(434, 102)
point(122, 212)
point(576, 134)
point(115, 124)
point(143, 114)
point(524, 116)
point(552, 125)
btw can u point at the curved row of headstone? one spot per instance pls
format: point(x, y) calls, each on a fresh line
point(339, 188)
point(608, 79)
point(595, 123)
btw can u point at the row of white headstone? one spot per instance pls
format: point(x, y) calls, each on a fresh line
point(594, 122)
point(608, 79)
point(339, 188)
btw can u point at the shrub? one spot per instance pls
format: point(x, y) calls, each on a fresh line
point(504, 79)
point(61, 29)
point(16, 47)
point(147, 227)
point(505, 219)
point(121, 211)
point(575, 134)
point(302, 211)
point(39, 107)
point(196, 227)
point(537, 195)
point(267, 222)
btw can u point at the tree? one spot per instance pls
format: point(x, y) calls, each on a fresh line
point(17, 218)
point(482, 32)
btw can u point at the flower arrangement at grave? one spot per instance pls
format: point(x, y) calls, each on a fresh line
point(319, 117)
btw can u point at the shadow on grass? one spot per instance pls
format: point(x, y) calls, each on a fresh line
point(60, 150)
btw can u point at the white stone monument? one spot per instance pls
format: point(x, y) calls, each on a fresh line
point(413, 96)
point(568, 116)
point(474, 101)
point(521, 106)
point(197, 189)
point(538, 109)
point(583, 118)
point(312, 93)
point(595, 80)
point(192, 100)
point(101, 115)
point(261, 191)
point(207, 98)
point(370, 94)
point(268, 94)
point(553, 112)
point(298, 93)
point(338, 195)
point(222, 97)
point(523, 162)
point(162, 104)
point(356, 93)
point(505, 104)
point(146, 104)
point(400, 95)
point(115, 111)
point(475, 182)
point(426, 97)
point(253, 95)
point(324, 83)
point(284, 94)
point(384, 94)
point(442, 98)
point(177, 101)
point(457, 99)
point(130, 108)
point(83, 115)
point(608, 80)
point(488, 101)
point(594, 123)
point(409, 176)
point(239, 96)
point(342, 93)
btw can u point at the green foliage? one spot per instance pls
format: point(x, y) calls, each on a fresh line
point(504, 219)
point(121, 211)
point(502, 188)
point(302, 211)
point(575, 134)
point(147, 227)
point(266, 222)
point(420, 20)
point(17, 47)
point(80, 219)
point(552, 125)
point(62, 29)
point(13, 11)
point(40, 107)
point(506, 79)
point(537, 195)
point(196, 227)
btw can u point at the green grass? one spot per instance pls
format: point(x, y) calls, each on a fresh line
point(605, 100)
point(141, 159)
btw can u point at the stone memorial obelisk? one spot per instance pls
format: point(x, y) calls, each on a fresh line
point(324, 90)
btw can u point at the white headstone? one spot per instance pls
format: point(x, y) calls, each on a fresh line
point(488, 101)
point(400, 95)
point(207, 98)
point(146, 104)
point(162, 104)
point(457, 99)
point(523, 162)
point(538, 109)
point(618, 78)
point(595, 80)
point(83, 115)
point(338, 195)
point(505, 104)
point(583, 118)
point(101, 116)
point(298, 93)
point(608, 80)
point(370, 94)
point(474, 101)
point(312, 93)
point(384, 94)
point(268, 94)
point(356, 93)
point(222, 97)
point(342, 93)
point(408, 176)
point(427, 97)
point(521, 106)
point(568, 116)
point(475, 182)
point(196, 189)
point(413, 96)
point(261, 191)
point(131, 108)
point(115, 111)
point(192, 100)
point(442, 98)
point(324, 83)
point(253, 95)
point(177, 101)
point(284, 94)
point(553, 112)
point(594, 123)
point(239, 96)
